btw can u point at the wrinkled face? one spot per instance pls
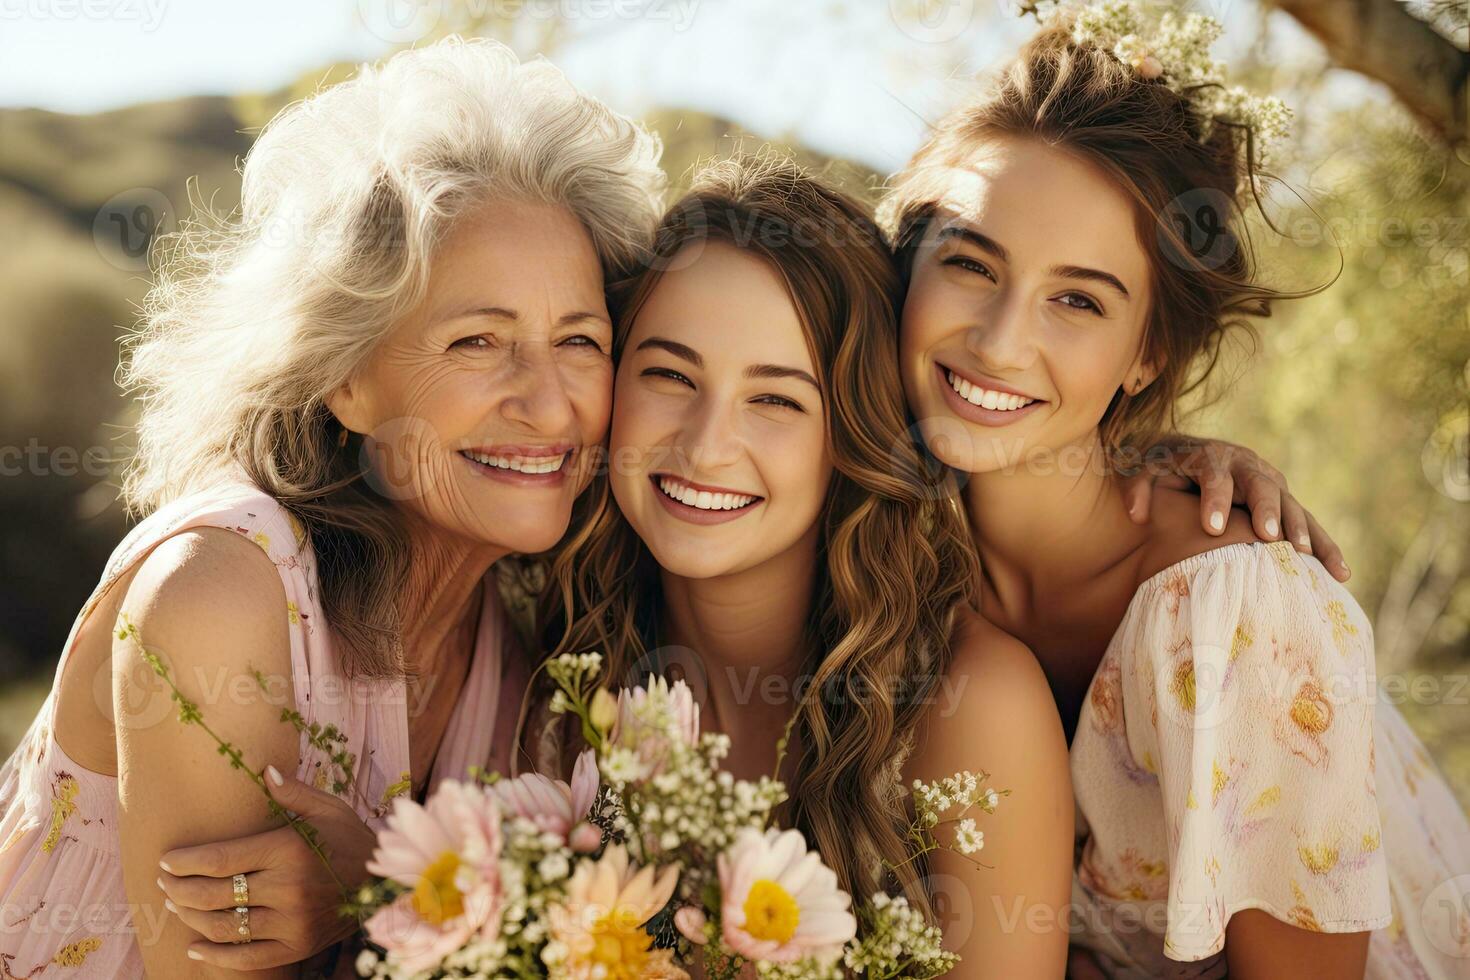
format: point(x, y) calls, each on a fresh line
point(1026, 308)
point(718, 451)
point(483, 405)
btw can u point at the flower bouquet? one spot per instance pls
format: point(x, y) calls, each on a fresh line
point(651, 862)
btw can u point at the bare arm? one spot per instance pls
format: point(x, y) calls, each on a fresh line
point(996, 714)
point(1260, 947)
point(210, 604)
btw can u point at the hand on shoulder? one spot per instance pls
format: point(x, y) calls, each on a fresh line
point(1175, 534)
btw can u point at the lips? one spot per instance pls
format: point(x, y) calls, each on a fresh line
point(701, 503)
point(522, 465)
point(987, 403)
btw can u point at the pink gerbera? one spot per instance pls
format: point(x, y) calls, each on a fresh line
point(779, 902)
point(448, 854)
point(552, 805)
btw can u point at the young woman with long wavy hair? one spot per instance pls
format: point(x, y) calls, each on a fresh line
point(770, 525)
point(1245, 801)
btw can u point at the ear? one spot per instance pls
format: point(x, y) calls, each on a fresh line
point(349, 407)
point(1142, 373)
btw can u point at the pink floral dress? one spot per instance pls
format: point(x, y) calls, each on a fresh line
point(1234, 753)
point(63, 910)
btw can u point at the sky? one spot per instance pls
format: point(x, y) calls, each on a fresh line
point(848, 77)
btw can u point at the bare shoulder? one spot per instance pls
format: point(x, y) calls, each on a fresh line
point(994, 697)
point(205, 573)
point(1175, 533)
point(995, 718)
point(212, 607)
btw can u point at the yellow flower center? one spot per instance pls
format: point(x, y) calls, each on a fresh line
point(620, 945)
point(436, 898)
point(770, 912)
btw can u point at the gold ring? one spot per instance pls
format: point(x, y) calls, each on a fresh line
point(242, 890)
point(242, 924)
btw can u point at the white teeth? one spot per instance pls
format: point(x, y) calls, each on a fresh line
point(984, 397)
point(520, 464)
point(702, 499)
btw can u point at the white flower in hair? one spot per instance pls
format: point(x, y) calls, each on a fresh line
point(1175, 51)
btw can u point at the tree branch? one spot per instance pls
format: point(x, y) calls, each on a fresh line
point(1381, 40)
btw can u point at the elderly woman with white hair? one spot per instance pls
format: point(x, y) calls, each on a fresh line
point(391, 371)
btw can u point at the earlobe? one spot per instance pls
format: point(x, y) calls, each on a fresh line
point(1140, 376)
point(345, 406)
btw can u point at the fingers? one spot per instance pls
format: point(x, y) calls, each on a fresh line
point(1138, 496)
point(299, 798)
point(222, 928)
point(1327, 551)
point(258, 954)
point(1217, 488)
point(198, 892)
point(1294, 521)
point(222, 859)
point(1262, 497)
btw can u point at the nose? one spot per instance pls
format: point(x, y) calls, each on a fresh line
point(1002, 336)
point(710, 438)
point(535, 395)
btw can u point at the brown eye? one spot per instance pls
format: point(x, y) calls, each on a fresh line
point(1082, 302)
point(477, 342)
point(779, 402)
point(582, 340)
point(969, 265)
point(666, 373)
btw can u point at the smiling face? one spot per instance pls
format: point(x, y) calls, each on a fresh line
point(1026, 308)
point(719, 456)
point(482, 406)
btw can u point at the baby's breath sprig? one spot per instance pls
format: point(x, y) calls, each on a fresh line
point(932, 801)
point(1175, 51)
point(575, 676)
point(189, 714)
point(895, 940)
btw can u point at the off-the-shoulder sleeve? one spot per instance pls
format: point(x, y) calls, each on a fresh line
point(1255, 670)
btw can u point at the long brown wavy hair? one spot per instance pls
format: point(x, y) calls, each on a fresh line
point(895, 560)
point(1191, 178)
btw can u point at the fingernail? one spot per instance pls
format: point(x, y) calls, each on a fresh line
point(160, 885)
point(1346, 572)
point(1217, 521)
point(275, 776)
point(1272, 527)
point(164, 866)
point(194, 954)
point(168, 904)
point(1304, 541)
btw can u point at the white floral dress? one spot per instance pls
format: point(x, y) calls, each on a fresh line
point(1234, 753)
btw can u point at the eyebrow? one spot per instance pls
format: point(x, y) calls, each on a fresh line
point(686, 353)
point(987, 244)
point(501, 313)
